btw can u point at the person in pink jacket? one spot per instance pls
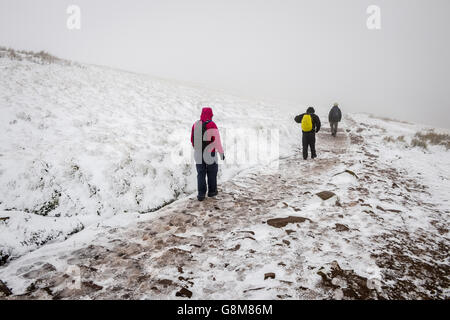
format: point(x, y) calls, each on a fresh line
point(205, 139)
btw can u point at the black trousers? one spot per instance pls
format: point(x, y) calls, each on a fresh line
point(207, 170)
point(309, 140)
point(334, 128)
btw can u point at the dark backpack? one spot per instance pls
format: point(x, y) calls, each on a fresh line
point(204, 143)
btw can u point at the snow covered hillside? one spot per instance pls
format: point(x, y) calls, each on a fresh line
point(85, 151)
point(81, 143)
point(368, 219)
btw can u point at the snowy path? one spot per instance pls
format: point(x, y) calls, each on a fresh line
point(357, 244)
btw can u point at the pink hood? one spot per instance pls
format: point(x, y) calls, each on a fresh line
point(207, 114)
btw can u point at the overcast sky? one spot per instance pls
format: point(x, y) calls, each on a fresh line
point(311, 52)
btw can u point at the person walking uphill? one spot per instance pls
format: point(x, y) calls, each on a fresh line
point(334, 117)
point(310, 126)
point(205, 139)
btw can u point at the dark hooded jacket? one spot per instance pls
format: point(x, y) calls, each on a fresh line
point(315, 119)
point(211, 127)
point(335, 115)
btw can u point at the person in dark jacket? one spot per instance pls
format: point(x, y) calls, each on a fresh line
point(205, 139)
point(334, 117)
point(309, 138)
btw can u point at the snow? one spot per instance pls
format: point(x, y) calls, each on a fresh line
point(94, 142)
point(384, 234)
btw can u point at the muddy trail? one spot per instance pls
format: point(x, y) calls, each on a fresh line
point(307, 230)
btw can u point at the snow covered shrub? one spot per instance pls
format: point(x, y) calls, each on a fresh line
point(386, 119)
point(400, 140)
point(419, 143)
point(46, 57)
point(13, 55)
point(41, 57)
point(434, 138)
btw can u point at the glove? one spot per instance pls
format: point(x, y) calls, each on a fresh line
point(222, 156)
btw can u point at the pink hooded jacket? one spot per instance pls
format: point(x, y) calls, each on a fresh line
point(207, 114)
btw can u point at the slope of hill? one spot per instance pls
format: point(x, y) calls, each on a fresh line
point(85, 150)
point(368, 219)
point(81, 143)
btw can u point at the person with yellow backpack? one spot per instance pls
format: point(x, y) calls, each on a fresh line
point(310, 126)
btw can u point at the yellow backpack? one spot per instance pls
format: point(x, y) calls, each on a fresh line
point(307, 123)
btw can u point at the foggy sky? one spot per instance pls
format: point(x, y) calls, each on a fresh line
point(311, 52)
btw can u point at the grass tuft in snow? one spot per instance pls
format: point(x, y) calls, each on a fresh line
point(400, 139)
point(419, 143)
point(433, 138)
point(41, 57)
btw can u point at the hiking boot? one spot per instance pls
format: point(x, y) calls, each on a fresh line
point(212, 195)
point(200, 199)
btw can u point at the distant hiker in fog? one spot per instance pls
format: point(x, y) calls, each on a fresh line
point(205, 139)
point(310, 126)
point(334, 117)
